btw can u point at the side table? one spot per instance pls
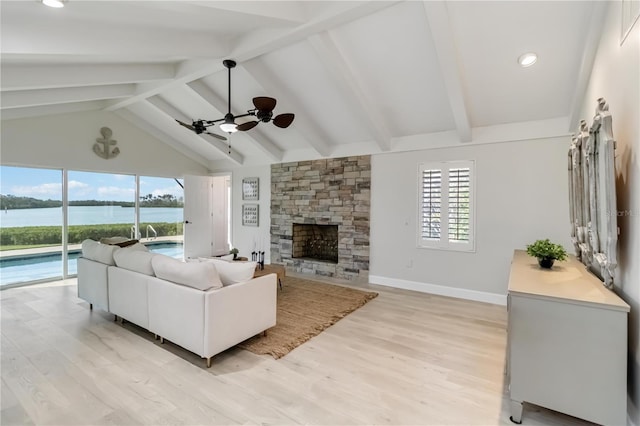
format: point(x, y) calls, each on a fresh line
point(272, 268)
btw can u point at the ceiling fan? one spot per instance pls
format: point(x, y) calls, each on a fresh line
point(263, 112)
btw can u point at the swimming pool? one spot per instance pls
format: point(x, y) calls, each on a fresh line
point(22, 269)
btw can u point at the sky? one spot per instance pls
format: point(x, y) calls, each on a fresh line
point(45, 184)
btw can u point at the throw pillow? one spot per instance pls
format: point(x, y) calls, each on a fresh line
point(118, 241)
point(134, 260)
point(200, 275)
point(97, 252)
point(232, 272)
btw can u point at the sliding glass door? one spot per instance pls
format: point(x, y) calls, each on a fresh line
point(101, 205)
point(98, 205)
point(30, 225)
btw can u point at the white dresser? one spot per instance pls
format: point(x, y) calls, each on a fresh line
point(567, 342)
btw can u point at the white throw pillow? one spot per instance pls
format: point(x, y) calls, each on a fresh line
point(95, 251)
point(134, 260)
point(232, 272)
point(200, 275)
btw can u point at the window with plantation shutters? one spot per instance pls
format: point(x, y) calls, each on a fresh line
point(445, 216)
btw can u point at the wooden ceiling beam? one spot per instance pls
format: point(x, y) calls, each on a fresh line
point(443, 39)
point(314, 135)
point(38, 97)
point(351, 86)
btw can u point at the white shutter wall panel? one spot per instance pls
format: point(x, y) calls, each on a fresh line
point(446, 205)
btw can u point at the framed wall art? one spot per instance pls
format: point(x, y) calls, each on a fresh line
point(592, 195)
point(251, 188)
point(250, 214)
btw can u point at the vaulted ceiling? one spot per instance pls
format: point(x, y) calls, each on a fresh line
point(362, 77)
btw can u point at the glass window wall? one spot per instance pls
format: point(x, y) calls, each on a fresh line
point(98, 205)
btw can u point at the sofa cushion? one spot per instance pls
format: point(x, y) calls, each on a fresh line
point(137, 247)
point(97, 252)
point(232, 272)
point(200, 275)
point(134, 260)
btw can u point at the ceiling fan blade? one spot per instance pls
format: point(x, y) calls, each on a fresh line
point(247, 126)
point(188, 126)
point(222, 138)
point(283, 120)
point(264, 103)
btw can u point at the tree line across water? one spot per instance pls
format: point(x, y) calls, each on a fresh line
point(11, 202)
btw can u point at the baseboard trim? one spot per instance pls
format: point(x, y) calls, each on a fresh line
point(440, 290)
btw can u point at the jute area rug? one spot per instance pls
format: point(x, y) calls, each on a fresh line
point(305, 309)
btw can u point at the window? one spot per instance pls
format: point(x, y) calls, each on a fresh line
point(33, 220)
point(447, 187)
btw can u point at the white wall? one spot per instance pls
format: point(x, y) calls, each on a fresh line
point(243, 237)
point(616, 77)
point(66, 141)
point(522, 196)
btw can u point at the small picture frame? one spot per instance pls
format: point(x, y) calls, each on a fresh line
point(251, 189)
point(250, 214)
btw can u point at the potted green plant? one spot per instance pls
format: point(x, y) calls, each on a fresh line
point(234, 251)
point(546, 252)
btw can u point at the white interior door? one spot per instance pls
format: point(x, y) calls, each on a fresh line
point(198, 226)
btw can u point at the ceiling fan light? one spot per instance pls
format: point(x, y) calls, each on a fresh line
point(53, 3)
point(229, 127)
point(527, 59)
point(229, 124)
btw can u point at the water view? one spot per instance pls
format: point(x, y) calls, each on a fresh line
point(87, 215)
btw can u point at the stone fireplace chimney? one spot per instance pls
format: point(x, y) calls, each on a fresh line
point(320, 216)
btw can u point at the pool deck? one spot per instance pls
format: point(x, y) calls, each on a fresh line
point(6, 254)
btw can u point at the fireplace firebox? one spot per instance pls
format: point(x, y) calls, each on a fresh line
point(318, 242)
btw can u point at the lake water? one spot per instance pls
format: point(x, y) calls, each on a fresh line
point(88, 215)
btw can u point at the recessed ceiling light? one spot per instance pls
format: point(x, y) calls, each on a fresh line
point(53, 3)
point(527, 59)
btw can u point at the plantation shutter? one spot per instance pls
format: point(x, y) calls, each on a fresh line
point(459, 204)
point(446, 205)
point(431, 203)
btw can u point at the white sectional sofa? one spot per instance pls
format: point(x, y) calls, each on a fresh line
point(189, 304)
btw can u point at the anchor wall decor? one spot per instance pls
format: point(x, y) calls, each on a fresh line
point(102, 147)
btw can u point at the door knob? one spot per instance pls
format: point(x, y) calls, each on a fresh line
point(186, 221)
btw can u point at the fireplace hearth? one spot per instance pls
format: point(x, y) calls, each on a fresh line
point(317, 242)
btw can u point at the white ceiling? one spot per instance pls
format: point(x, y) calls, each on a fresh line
point(361, 77)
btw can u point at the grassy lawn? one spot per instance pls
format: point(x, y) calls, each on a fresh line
point(21, 247)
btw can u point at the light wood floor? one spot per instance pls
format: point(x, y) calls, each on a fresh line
point(405, 358)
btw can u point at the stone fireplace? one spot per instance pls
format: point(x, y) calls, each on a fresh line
point(315, 242)
point(306, 196)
